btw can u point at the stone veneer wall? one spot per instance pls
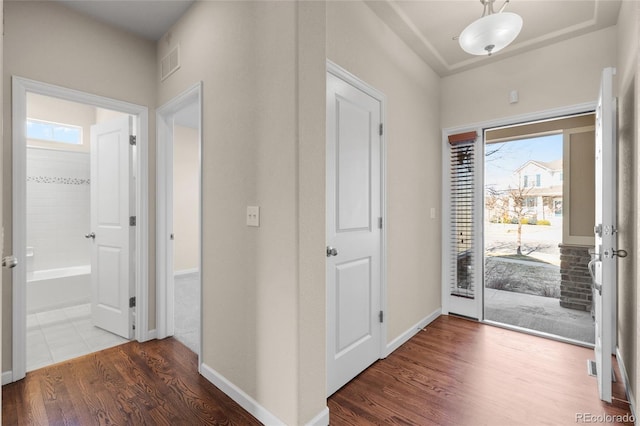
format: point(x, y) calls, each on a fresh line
point(575, 282)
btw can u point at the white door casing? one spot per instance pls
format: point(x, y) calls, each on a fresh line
point(20, 87)
point(112, 236)
point(603, 266)
point(354, 211)
point(190, 100)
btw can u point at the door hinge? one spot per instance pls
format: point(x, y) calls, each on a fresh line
point(132, 221)
point(132, 140)
point(381, 316)
point(132, 302)
point(380, 222)
point(381, 129)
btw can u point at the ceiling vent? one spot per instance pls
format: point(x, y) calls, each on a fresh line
point(170, 63)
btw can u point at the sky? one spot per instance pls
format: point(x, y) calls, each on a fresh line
point(500, 165)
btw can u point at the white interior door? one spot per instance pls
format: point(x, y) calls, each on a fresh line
point(603, 266)
point(112, 236)
point(353, 231)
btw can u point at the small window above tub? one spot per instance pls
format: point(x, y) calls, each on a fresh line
point(48, 131)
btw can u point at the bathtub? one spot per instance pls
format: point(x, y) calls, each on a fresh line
point(58, 288)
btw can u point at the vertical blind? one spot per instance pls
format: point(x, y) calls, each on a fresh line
point(462, 148)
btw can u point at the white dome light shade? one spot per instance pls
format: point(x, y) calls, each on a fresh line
point(490, 33)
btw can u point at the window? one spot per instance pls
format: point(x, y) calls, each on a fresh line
point(54, 132)
point(462, 164)
point(531, 181)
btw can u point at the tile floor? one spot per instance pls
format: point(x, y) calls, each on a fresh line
point(187, 310)
point(62, 334)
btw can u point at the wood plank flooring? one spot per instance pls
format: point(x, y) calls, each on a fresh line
point(152, 383)
point(460, 372)
point(456, 372)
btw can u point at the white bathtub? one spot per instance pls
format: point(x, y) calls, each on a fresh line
point(58, 288)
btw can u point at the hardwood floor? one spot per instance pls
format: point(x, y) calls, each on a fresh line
point(153, 383)
point(456, 372)
point(460, 372)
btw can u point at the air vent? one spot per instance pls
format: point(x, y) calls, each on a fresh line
point(170, 63)
point(592, 370)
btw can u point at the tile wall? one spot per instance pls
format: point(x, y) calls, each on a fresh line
point(58, 208)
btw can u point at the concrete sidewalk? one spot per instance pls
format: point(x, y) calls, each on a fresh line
point(538, 313)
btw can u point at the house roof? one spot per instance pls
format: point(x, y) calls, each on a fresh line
point(552, 166)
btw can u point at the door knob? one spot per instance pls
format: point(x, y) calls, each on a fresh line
point(9, 262)
point(91, 235)
point(592, 267)
point(598, 288)
point(331, 251)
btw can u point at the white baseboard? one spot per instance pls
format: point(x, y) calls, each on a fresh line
point(404, 337)
point(625, 381)
point(186, 272)
point(7, 377)
point(322, 419)
point(239, 396)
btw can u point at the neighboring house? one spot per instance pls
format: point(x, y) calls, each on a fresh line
point(541, 183)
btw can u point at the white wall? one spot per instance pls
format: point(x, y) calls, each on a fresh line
point(47, 42)
point(559, 75)
point(246, 54)
point(186, 199)
point(1, 186)
point(628, 91)
point(360, 42)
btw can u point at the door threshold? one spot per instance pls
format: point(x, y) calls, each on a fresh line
point(538, 333)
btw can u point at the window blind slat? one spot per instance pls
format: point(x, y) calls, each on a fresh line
point(461, 171)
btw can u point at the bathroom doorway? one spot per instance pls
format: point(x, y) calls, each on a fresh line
point(58, 223)
point(79, 192)
point(179, 219)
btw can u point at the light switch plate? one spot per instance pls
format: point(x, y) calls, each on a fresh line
point(433, 213)
point(253, 216)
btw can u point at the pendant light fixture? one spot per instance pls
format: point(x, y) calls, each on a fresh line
point(492, 32)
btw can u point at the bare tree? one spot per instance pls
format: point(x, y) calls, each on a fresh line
point(491, 201)
point(491, 150)
point(497, 202)
point(518, 203)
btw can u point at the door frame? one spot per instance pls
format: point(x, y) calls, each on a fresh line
point(164, 209)
point(359, 84)
point(476, 309)
point(21, 86)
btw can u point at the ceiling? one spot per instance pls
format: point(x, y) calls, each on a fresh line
point(430, 26)
point(150, 19)
point(427, 26)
